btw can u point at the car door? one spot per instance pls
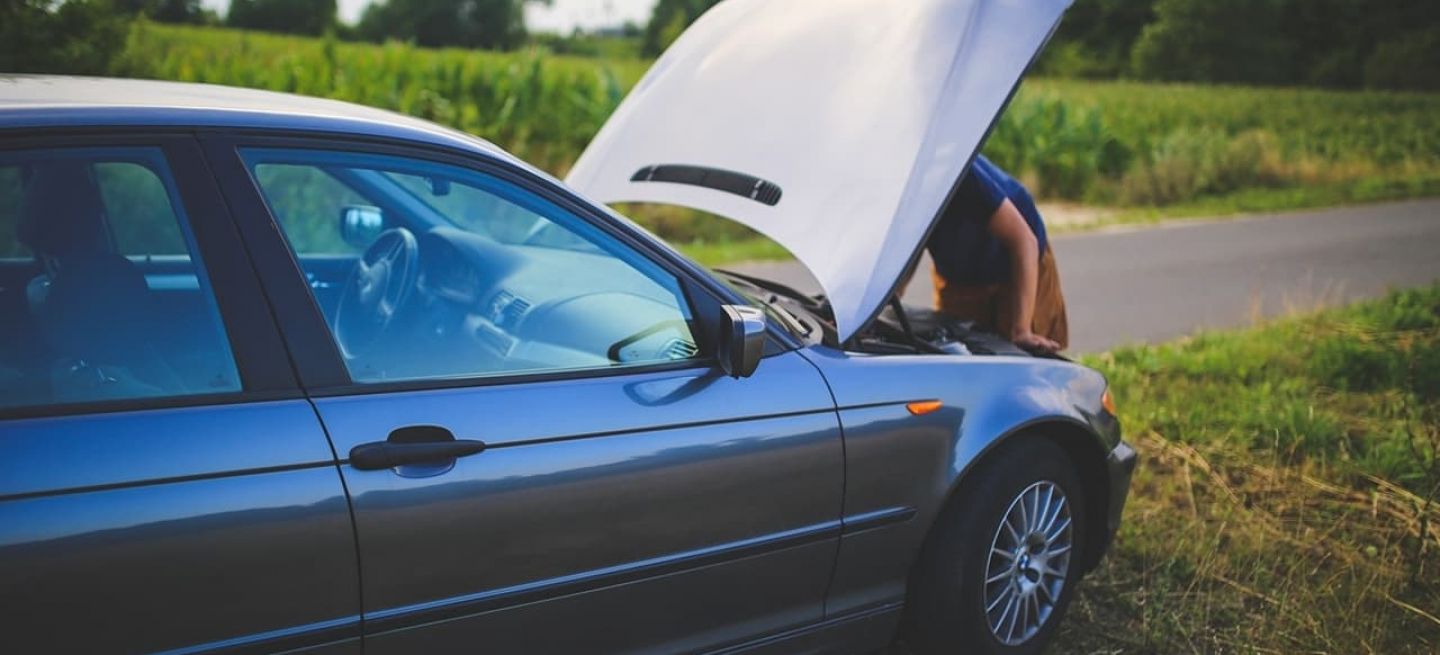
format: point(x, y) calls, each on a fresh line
point(629, 496)
point(164, 485)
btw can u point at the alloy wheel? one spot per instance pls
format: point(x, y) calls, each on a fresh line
point(1028, 563)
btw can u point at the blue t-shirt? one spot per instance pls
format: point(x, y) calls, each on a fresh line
point(963, 249)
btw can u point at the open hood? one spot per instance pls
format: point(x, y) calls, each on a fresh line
point(838, 128)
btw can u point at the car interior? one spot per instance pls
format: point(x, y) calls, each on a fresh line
point(79, 320)
point(457, 275)
point(438, 275)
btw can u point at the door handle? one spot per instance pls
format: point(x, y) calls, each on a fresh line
point(412, 445)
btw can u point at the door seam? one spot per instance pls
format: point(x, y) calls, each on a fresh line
point(844, 483)
point(354, 525)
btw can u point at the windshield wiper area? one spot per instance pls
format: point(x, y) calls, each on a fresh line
point(797, 313)
point(791, 320)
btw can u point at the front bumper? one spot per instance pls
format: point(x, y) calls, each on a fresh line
point(1119, 466)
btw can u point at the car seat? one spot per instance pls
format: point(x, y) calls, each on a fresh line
point(92, 305)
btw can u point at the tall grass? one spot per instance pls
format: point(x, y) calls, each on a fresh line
point(1111, 143)
point(544, 108)
point(1158, 144)
point(1288, 498)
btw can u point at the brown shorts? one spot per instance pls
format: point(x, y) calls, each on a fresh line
point(989, 305)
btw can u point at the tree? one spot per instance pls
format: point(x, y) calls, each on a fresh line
point(493, 24)
point(1334, 43)
point(46, 36)
point(1403, 44)
point(293, 16)
point(1406, 62)
point(1236, 41)
point(668, 20)
point(166, 11)
point(1095, 38)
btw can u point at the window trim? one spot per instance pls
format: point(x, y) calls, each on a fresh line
point(255, 346)
point(318, 361)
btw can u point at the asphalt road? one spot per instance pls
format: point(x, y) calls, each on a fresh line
point(1149, 284)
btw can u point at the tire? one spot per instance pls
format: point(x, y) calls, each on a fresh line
point(948, 594)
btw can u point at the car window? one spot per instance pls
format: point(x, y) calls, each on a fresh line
point(139, 209)
point(307, 202)
point(488, 214)
point(463, 274)
point(102, 296)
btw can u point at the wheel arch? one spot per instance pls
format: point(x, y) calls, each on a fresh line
point(1085, 449)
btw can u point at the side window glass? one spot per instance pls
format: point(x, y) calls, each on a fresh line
point(139, 209)
point(491, 215)
point(308, 201)
point(102, 295)
point(460, 274)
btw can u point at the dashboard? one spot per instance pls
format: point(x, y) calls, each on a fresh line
point(504, 308)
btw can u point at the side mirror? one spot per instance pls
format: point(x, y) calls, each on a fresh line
point(360, 225)
point(742, 340)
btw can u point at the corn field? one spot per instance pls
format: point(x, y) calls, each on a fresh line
point(543, 108)
point(1108, 143)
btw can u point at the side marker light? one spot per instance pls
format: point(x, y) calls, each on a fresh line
point(924, 406)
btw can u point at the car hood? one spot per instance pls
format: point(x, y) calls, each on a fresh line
point(838, 128)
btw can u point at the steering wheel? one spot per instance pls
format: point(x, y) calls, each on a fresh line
point(382, 282)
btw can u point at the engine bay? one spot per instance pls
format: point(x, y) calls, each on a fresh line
point(919, 328)
point(912, 330)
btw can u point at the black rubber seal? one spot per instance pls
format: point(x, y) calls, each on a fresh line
point(764, 192)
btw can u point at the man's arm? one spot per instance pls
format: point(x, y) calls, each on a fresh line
point(1009, 227)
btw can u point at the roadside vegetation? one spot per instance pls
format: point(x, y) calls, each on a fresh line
point(1185, 141)
point(540, 106)
point(1288, 495)
point(1150, 149)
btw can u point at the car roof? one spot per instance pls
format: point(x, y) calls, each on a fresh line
point(41, 101)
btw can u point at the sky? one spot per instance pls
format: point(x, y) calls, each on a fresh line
point(563, 16)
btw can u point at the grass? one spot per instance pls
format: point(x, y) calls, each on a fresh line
point(1288, 497)
point(1146, 144)
point(1153, 151)
point(1249, 202)
point(715, 253)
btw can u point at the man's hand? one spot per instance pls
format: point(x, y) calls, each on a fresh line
point(1032, 342)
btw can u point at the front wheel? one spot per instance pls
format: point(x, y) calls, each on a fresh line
point(1000, 566)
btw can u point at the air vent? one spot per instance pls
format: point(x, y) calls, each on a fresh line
point(506, 309)
point(680, 349)
point(513, 311)
point(498, 305)
point(764, 192)
point(494, 338)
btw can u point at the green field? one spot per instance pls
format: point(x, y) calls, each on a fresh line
point(1178, 149)
point(544, 108)
point(1288, 496)
point(1152, 149)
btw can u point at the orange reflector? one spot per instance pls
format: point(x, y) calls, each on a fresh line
point(924, 406)
point(1108, 403)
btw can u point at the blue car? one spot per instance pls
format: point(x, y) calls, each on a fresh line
point(280, 374)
